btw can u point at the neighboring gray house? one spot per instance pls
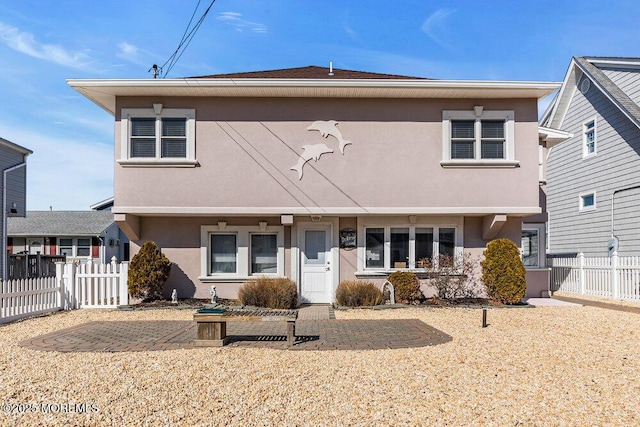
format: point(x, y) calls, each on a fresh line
point(593, 177)
point(80, 235)
point(13, 180)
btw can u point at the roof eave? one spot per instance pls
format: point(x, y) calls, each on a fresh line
point(104, 92)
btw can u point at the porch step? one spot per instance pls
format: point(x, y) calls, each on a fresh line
point(316, 312)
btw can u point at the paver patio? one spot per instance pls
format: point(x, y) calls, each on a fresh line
point(311, 335)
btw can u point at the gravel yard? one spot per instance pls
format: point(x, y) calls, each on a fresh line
point(543, 366)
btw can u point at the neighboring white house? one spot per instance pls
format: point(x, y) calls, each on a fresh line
point(80, 235)
point(13, 181)
point(593, 177)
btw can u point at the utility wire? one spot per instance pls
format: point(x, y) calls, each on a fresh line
point(186, 39)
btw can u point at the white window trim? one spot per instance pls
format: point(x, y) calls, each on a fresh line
point(540, 228)
point(125, 146)
point(585, 151)
point(508, 116)
point(581, 197)
point(74, 247)
point(243, 252)
point(387, 225)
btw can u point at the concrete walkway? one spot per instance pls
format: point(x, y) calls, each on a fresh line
point(599, 304)
point(316, 312)
point(550, 302)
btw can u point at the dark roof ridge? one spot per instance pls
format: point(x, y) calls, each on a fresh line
point(310, 72)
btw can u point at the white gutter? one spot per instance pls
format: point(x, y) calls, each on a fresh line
point(4, 216)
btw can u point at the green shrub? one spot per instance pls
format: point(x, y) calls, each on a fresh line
point(148, 272)
point(358, 293)
point(406, 287)
point(503, 272)
point(270, 292)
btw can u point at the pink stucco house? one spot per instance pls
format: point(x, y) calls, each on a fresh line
point(320, 174)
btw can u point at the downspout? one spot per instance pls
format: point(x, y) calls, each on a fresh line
point(613, 200)
point(4, 216)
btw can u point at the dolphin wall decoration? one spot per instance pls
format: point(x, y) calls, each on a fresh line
point(327, 128)
point(310, 152)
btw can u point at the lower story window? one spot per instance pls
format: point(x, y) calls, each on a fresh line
point(75, 247)
point(223, 253)
point(239, 252)
point(264, 253)
point(65, 247)
point(407, 247)
point(374, 252)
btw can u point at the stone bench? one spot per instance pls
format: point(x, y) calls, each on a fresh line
point(212, 323)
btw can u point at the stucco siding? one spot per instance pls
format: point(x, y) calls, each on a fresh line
point(615, 166)
point(245, 151)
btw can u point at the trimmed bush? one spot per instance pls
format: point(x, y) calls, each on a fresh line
point(406, 287)
point(148, 272)
point(278, 292)
point(503, 272)
point(358, 293)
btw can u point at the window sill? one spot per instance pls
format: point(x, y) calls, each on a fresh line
point(234, 278)
point(473, 163)
point(158, 163)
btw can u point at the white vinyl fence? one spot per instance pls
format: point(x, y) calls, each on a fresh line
point(616, 277)
point(28, 297)
point(75, 286)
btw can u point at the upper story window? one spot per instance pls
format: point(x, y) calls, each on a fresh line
point(588, 201)
point(478, 138)
point(149, 138)
point(589, 138)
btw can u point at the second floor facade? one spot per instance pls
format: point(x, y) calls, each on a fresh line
point(363, 144)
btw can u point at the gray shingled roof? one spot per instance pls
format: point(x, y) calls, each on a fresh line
point(60, 223)
point(619, 96)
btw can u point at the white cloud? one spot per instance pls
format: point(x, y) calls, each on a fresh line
point(65, 174)
point(235, 19)
point(26, 43)
point(127, 51)
point(435, 26)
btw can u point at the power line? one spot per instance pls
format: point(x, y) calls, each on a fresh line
point(187, 36)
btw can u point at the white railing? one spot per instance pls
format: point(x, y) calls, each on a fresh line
point(616, 277)
point(75, 286)
point(28, 297)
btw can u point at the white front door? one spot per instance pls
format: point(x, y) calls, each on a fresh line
point(35, 247)
point(316, 270)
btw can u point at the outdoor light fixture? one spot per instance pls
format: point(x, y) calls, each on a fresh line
point(14, 208)
point(316, 218)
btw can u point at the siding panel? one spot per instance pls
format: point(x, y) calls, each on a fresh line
point(615, 166)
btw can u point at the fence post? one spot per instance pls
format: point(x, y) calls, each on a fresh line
point(61, 299)
point(70, 281)
point(123, 284)
point(581, 275)
point(615, 280)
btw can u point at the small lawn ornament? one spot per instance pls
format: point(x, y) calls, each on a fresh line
point(388, 293)
point(214, 295)
point(174, 297)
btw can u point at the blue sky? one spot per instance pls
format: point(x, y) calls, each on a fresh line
point(44, 42)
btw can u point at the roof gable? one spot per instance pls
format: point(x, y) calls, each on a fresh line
point(600, 71)
point(15, 147)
